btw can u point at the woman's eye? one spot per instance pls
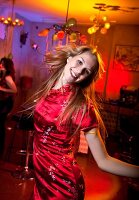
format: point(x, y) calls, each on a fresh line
point(87, 71)
point(80, 62)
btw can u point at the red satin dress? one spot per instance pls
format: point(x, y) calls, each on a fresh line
point(57, 175)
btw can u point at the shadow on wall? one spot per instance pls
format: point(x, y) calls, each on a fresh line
point(25, 85)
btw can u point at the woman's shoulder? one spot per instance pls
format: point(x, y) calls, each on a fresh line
point(9, 77)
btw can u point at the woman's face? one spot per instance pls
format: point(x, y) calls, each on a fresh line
point(2, 70)
point(2, 65)
point(78, 68)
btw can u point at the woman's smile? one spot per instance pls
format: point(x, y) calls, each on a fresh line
point(77, 69)
point(73, 74)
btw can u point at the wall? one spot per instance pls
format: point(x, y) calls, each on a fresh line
point(123, 35)
point(29, 62)
point(113, 79)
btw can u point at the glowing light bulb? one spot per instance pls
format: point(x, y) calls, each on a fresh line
point(107, 25)
point(92, 18)
point(5, 21)
point(9, 19)
point(104, 18)
point(89, 31)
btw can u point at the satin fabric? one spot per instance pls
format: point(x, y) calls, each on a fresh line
point(57, 174)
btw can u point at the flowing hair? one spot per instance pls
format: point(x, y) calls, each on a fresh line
point(84, 94)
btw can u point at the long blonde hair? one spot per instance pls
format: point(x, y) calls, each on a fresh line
point(85, 93)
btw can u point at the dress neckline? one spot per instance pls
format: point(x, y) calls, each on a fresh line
point(64, 88)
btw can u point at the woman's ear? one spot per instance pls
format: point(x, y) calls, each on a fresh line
point(69, 58)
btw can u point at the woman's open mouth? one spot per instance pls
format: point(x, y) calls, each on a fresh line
point(73, 74)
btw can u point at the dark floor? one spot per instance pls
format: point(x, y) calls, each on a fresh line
point(99, 185)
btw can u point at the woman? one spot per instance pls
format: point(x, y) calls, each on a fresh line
point(7, 91)
point(65, 106)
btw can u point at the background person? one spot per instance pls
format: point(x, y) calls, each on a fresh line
point(7, 90)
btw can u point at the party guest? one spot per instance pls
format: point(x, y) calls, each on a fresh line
point(64, 106)
point(7, 90)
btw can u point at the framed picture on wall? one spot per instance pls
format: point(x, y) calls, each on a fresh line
point(126, 58)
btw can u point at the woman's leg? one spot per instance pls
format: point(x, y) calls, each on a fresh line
point(5, 107)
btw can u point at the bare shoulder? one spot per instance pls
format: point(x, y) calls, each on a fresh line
point(9, 78)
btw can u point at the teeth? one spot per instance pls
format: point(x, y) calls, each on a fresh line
point(73, 74)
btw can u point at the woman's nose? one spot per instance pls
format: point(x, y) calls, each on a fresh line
point(80, 69)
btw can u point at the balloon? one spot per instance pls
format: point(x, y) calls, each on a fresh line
point(60, 35)
point(83, 39)
point(55, 37)
point(44, 32)
point(71, 22)
point(57, 27)
point(73, 36)
point(103, 31)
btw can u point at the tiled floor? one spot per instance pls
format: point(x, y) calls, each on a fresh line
point(12, 188)
point(99, 185)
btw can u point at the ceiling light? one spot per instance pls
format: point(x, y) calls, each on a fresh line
point(66, 31)
point(99, 23)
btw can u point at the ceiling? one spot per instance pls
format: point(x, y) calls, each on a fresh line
point(58, 11)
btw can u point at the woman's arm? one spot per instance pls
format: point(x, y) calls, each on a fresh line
point(11, 84)
point(106, 162)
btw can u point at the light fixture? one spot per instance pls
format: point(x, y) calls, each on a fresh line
point(99, 23)
point(67, 30)
point(10, 21)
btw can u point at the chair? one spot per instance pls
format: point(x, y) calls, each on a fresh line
point(129, 138)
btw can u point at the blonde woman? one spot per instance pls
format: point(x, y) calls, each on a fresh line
point(66, 105)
